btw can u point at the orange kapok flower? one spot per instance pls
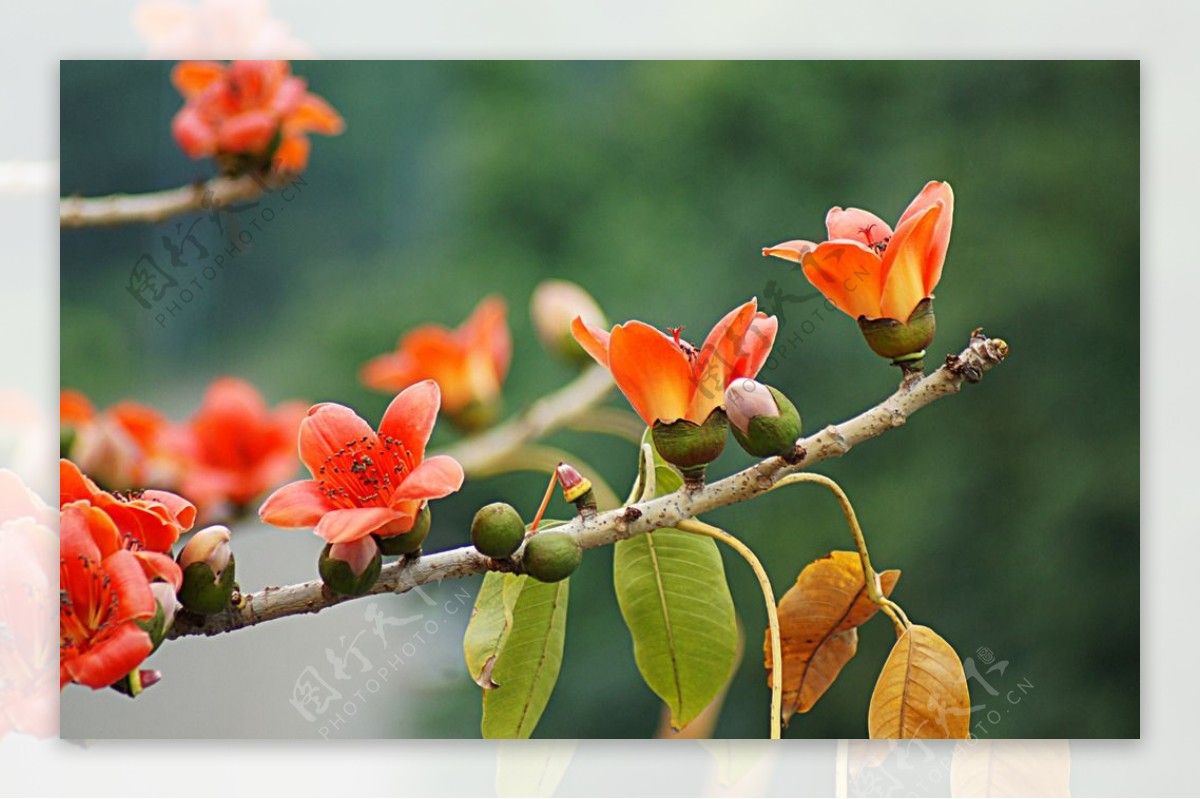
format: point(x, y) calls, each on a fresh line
point(870, 271)
point(104, 593)
point(249, 114)
point(469, 364)
point(235, 448)
point(366, 482)
point(149, 521)
point(665, 378)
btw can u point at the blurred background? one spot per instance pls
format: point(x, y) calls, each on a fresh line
point(1012, 509)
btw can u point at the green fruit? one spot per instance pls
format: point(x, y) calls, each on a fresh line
point(771, 435)
point(338, 575)
point(551, 556)
point(410, 542)
point(497, 530)
point(203, 592)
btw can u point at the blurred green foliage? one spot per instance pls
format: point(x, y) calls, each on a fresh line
point(1012, 509)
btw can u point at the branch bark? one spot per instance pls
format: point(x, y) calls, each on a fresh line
point(121, 209)
point(611, 526)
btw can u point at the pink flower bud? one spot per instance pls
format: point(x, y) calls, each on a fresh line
point(164, 594)
point(209, 546)
point(355, 554)
point(746, 399)
point(553, 306)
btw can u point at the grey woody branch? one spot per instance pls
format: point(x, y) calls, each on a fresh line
point(611, 526)
point(122, 209)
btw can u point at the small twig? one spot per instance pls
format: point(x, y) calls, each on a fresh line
point(870, 577)
point(123, 209)
point(609, 526)
point(764, 582)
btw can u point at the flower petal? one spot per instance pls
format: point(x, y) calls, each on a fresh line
point(291, 157)
point(651, 371)
point(157, 565)
point(433, 479)
point(594, 340)
point(355, 554)
point(178, 510)
point(194, 134)
point(248, 132)
point(718, 356)
point(847, 273)
point(351, 524)
point(298, 504)
point(193, 77)
point(905, 263)
point(314, 114)
point(486, 330)
point(411, 415)
point(934, 190)
point(855, 224)
point(756, 347)
point(128, 581)
point(793, 250)
point(328, 428)
point(118, 653)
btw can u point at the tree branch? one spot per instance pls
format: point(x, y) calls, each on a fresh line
point(611, 526)
point(478, 454)
point(121, 209)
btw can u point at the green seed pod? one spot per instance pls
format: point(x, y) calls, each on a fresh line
point(551, 556)
point(901, 341)
point(350, 569)
point(497, 530)
point(764, 421)
point(410, 542)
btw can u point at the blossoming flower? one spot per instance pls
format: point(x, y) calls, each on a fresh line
point(366, 482)
point(235, 448)
point(665, 378)
point(469, 364)
point(104, 594)
point(149, 522)
point(249, 113)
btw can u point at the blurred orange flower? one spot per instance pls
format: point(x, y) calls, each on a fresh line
point(235, 448)
point(249, 113)
point(867, 270)
point(122, 446)
point(665, 378)
point(469, 364)
point(366, 482)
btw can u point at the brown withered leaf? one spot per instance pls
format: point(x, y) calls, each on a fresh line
point(922, 690)
point(818, 621)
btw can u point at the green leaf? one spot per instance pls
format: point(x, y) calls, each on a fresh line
point(675, 601)
point(520, 626)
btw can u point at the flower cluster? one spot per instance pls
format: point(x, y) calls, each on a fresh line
point(116, 576)
point(249, 115)
point(232, 450)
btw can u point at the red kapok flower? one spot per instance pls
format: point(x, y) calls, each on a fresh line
point(869, 271)
point(665, 378)
point(151, 520)
point(235, 447)
point(366, 482)
point(104, 593)
point(469, 364)
point(256, 109)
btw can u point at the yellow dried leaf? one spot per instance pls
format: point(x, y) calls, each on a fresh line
point(922, 690)
point(818, 617)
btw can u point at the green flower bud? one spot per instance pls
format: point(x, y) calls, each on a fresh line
point(351, 568)
point(692, 446)
point(410, 542)
point(497, 530)
point(764, 421)
point(550, 556)
point(208, 571)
